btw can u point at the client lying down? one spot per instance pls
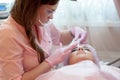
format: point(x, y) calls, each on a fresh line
point(83, 64)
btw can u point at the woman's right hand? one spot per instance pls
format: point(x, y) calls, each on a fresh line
point(79, 33)
point(61, 53)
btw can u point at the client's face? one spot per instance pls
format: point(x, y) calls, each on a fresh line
point(79, 54)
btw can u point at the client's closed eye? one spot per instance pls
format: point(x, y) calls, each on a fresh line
point(74, 49)
point(86, 48)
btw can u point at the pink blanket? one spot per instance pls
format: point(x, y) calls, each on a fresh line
point(85, 70)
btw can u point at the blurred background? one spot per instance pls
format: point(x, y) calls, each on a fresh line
point(5, 7)
point(100, 18)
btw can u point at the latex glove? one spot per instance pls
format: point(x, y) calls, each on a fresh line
point(61, 53)
point(79, 33)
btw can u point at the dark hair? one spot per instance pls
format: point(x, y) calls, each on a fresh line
point(24, 12)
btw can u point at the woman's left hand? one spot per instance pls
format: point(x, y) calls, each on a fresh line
point(79, 33)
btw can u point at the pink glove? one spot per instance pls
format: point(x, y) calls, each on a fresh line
point(61, 53)
point(79, 33)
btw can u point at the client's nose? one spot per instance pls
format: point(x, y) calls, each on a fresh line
point(80, 49)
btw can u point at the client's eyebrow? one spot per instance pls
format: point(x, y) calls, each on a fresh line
point(74, 49)
point(86, 48)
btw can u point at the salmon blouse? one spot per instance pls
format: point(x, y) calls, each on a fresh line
point(16, 54)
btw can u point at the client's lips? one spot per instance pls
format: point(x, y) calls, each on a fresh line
point(81, 52)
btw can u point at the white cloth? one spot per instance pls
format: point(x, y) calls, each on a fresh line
point(84, 70)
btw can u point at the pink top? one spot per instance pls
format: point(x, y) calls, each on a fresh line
point(16, 54)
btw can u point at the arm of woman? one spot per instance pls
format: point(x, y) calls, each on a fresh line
point(64, 37)
point(37, 71)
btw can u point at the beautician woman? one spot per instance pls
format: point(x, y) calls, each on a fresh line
point(27, 36)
